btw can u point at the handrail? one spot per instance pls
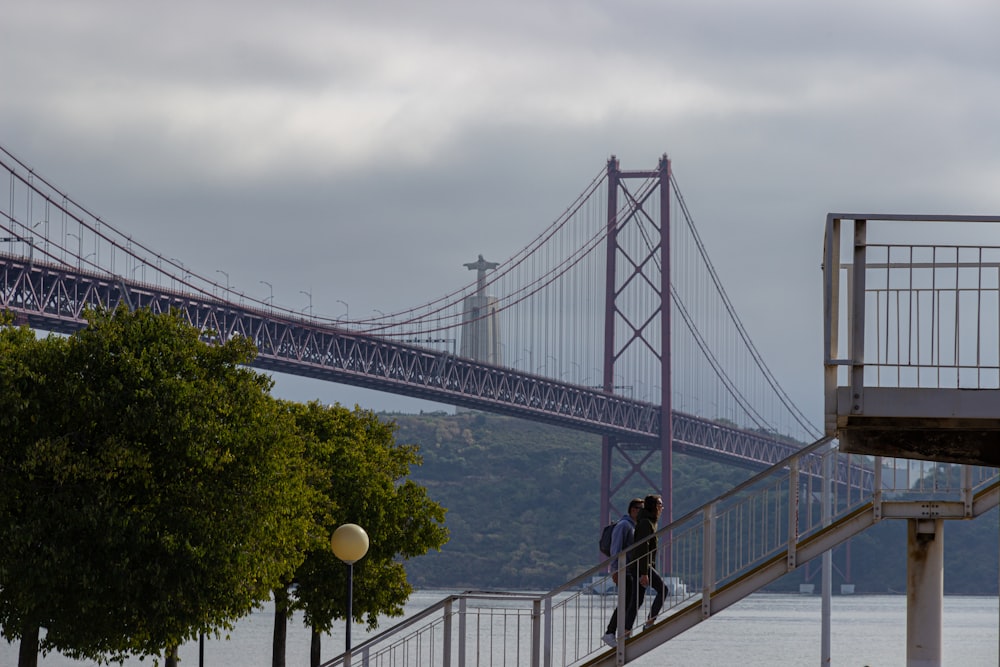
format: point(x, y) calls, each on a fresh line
point(718, 553)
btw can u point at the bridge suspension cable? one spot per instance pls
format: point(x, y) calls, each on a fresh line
point(547, 298)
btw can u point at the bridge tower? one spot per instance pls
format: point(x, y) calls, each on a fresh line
point(638, 262)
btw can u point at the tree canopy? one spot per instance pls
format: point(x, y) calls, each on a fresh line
point(153, 488)
point(362, 472)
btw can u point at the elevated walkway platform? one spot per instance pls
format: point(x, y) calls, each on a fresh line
point(916, 300)
point(912, 336)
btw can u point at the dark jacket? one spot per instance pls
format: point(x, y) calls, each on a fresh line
point(644, 553)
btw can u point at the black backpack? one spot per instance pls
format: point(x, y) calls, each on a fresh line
point(605, 542)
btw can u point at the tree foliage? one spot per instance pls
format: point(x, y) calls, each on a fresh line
point(153, 488)
point(363, 473)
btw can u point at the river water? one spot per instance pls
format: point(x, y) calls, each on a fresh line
point(764, 630)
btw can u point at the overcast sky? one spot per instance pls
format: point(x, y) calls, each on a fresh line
point(362, 152)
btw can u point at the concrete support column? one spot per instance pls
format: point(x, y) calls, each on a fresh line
point(924, 591)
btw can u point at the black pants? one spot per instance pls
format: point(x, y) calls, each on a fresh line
point(631, 604)
point(660, 589)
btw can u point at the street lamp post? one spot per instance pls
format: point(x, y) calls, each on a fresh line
point(187, 274)
point(350, 544)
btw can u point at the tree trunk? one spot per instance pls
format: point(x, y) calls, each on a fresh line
point(27, 652)
point(170, 659)
point(279, 640)
point(314, 646)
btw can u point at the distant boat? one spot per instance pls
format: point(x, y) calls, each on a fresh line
point(599, 584)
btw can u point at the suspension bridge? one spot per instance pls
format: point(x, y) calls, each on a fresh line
point(614, 322)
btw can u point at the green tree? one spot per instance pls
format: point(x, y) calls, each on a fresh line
point(24, 362)
point(158, 488)
point(362, 472)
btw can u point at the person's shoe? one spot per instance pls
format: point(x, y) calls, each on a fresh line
point(610, 640)
point(649, 623)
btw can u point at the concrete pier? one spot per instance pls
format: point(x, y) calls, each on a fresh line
point(924, 591)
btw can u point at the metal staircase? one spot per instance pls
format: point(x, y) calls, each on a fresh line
point(743, 540)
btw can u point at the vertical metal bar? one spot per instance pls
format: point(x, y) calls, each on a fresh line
point(793, 512)
point(622, 596)
point(967, 490)
point(608, 381)
point(831, 316)
point(828, 458)
point(935, 320)
point(857, 324)
point(547, 621)
point(536, 633)
point(708, 559)
point(996, 342)
point(910, 329)
point(350, 595)
point(462, 627)
point(877, 491)
point(446, 649)
point(979, 319)
point(666, 356)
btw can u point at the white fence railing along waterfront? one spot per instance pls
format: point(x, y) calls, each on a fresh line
point(717, 547)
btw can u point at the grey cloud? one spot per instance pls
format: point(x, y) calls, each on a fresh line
point(796, 109)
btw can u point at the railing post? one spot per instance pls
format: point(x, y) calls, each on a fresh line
point(831, 319)
point(877, 491)
point(856, 322)
point(829, 459)
point(793, 513)
point(446, 649)
point(708, 560)
point(620, 606)
point(536, 632)
point(548, 620)
point(461, 631)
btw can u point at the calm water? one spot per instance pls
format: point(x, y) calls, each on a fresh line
point(763, 630)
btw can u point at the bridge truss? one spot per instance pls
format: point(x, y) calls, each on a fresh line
point(55, 297)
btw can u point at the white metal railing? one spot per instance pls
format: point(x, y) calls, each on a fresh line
point(913, 314)
point(911, 308)
point(766, 517)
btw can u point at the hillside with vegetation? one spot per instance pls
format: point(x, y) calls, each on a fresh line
point(522, 501)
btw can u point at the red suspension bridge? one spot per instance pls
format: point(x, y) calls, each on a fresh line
point(611, 321)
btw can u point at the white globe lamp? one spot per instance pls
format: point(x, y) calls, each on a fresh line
point(350, 544)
